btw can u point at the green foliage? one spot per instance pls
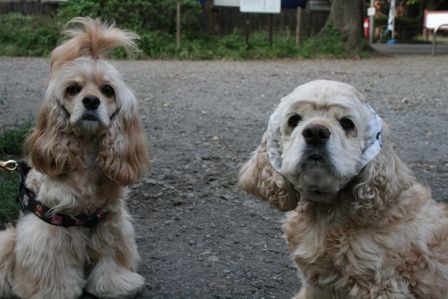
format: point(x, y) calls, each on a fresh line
point(27, 35)
point(9, 186)
point(159, 45)
point(11, 140)
point(136, 15)
point(18, 36)
point(329, 42)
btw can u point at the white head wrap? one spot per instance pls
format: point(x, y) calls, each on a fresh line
point(374, 139)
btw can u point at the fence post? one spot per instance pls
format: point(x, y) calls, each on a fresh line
point(270, 24)
point(298, 21)
point(246, 29)
point(178, 26)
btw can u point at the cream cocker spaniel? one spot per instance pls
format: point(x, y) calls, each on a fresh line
point(360, 226)
point(87, 146)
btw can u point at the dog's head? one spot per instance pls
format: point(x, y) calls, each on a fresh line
point(87, 99)
point(322, 136)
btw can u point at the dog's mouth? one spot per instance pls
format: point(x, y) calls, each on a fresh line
point(314, 157)
point(91, 117)
point(320, 192)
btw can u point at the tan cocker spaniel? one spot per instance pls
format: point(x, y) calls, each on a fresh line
point(87, 146)
point(360, 225)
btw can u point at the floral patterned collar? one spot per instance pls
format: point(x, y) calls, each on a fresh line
point(29, 203)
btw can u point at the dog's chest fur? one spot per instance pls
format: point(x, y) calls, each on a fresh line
point(351, 260)
point(320, 248)
point(84, 190)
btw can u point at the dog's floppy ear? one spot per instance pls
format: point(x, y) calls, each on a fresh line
point(124, 154)
point(380, 182)
point(51, 147)
point(258, 177)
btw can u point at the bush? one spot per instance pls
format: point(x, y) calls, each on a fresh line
point(27, 35)
point(137, 15)
point(329, 42)
point(37, 35)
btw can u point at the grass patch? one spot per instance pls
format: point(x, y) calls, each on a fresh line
point(9, 186)
point(11, 143)
point(11, 140)
point(158, 45)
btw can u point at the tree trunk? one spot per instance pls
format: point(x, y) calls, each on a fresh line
point(346, 16)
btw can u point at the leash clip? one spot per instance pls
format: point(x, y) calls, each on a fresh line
point(9, 165)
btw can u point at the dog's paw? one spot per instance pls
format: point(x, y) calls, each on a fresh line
point(120, 283)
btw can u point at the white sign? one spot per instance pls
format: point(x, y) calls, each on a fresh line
point(231, 3)
point(371, 11)
point(434, 19)
point(260, 6)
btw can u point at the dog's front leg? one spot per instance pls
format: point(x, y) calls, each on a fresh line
point(7, 261)
point(49, 260)
point(113, 245)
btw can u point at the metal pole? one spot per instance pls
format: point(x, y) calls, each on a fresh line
point(371, 24)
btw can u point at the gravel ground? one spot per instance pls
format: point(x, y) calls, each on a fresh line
point(198, 235)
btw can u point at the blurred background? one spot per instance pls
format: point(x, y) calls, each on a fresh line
point(217, 29)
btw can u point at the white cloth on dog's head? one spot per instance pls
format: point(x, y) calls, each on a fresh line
point(273, 142)
point(372, 144)
point(374, 139)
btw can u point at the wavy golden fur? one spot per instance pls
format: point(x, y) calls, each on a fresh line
point(259, 178)
point(87, 146)
point(381, 235)
point(93, 38)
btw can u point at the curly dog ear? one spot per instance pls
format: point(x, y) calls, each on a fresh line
point(380, 183)
point(124, 155)
point(259, 178)
point(51, 147)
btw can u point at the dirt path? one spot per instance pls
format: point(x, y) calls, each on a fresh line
point(198, 235)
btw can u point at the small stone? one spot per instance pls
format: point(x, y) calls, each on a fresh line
point(213, 258)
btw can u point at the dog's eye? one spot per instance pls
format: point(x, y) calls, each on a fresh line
point(108, 91)
point(294, 120)
point(346, 124)
point(73, 89)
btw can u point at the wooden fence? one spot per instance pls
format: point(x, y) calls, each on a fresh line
point(223, 20)
point(27, 7)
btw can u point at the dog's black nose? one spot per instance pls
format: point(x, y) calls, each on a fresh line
point(91, 102)
point(316, 134)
